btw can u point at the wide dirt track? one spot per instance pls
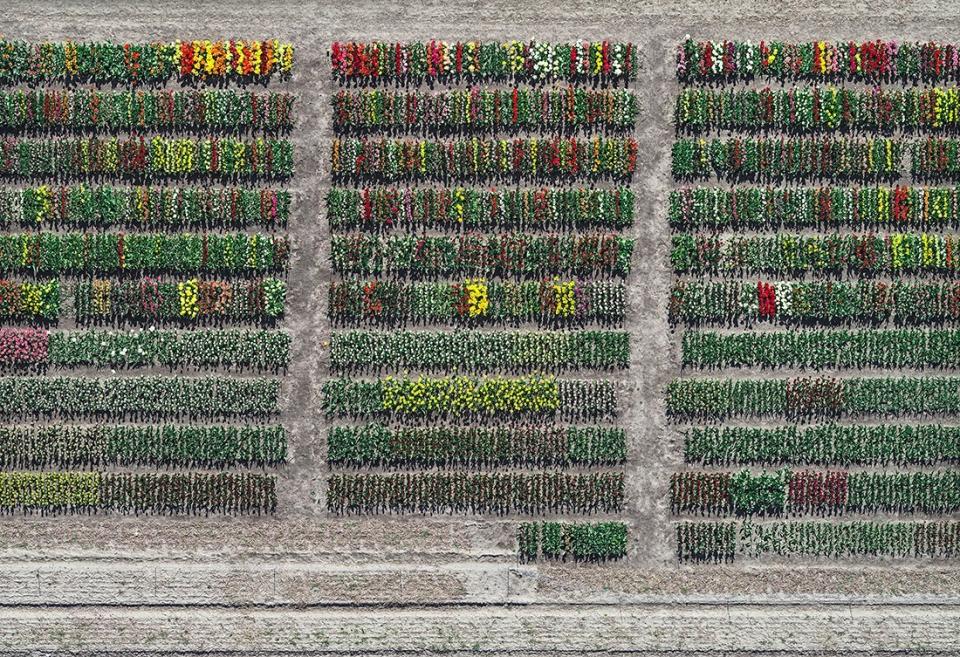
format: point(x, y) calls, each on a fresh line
point(307, 582)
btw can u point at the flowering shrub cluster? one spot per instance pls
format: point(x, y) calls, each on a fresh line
point(502, 254)
point(113, 253)
point(548, 301)
point(137, 397)
point(484, 60)
point(455, 446)
point(481, 109)
point(818, 109)
point(767, 208)
point(813, 397)
point(724, 541)
point(935, 159)
point(499, 493)
point(789, 158)
point(873, 61)
point(183, 110)
point(600, 158)
point(171, 445)
point(820, 302)
point(29, 301)
point(825, 444)
point(132, 63)
point(141, 157)
point(459, 208)
point(821, 349)
point(469, 351)
point(435, 397)
point(143, 207)
point(192, 300)
point(792, 254)
point(580, 541)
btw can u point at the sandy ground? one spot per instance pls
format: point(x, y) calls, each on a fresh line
point(139, 573)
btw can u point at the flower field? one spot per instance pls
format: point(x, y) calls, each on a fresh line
point(815, 294)
point(144, 261)
point(479, 202)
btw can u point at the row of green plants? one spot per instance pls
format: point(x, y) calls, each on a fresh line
point(383, 159)
point(471, 208)
point(720, 542)
point(472, 351)
point(485, 109)
point(822, 349)
point(453, 446)
point(810, 397)
point(48, 109)
point(150, 207)
point(824, 444)
point(111, 253)
point(772, 208)
point(777, 159)
point(499, 493)
point(141, 397)
point(578, 541)
point(814, 302)
point(836, 253)
point(28, 447)
point(139, 157)
point(464, 396)
point(161, 493)
point(818, 109)
point(217, 61)
point(476, 301)
point(202, 348)
point(370, 62)
point(873, 61)
point(496, 254)
point(814, 492)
